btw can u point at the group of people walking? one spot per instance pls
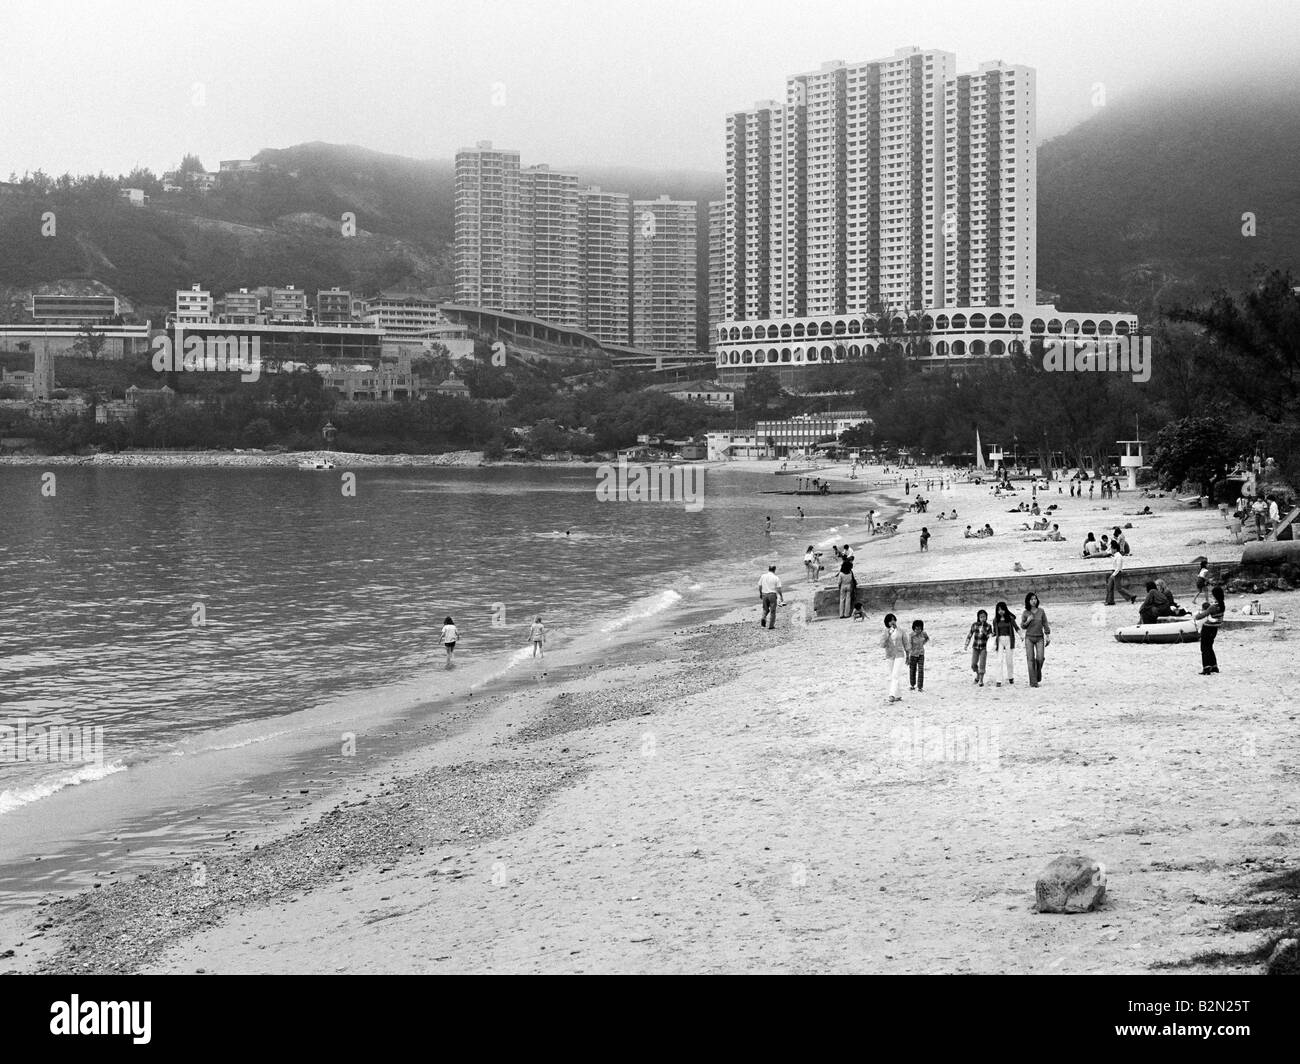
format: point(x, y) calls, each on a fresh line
point(908, 648)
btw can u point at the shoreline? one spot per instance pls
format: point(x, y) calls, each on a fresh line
point(676, 810)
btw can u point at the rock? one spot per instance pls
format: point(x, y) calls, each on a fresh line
point(1285, 958)
point(1070, 885)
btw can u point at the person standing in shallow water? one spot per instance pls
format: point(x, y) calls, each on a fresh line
point(1038, 637)
point(450, 637)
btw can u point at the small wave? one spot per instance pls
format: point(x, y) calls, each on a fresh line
point(568, 535)
point(643, 608)
point(19, 796)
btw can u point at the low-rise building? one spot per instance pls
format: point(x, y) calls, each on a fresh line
point(709, 392)
point(193, 306)
point(801, 433)
point(137, 197)
point(333, 305)
point(241, 308)
point(288, 304)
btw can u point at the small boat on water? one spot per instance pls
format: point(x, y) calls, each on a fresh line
point(318, 464)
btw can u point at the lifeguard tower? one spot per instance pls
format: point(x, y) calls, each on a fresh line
point(996, 454)
point(1133, 459)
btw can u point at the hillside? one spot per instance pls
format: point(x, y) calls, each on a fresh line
point(279, 226)
point(1139, 206)
point(1142, 204)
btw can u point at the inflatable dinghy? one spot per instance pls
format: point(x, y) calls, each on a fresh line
point(1169, 630)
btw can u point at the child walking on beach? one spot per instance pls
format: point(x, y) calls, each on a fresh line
point(925, 538)
point(916, 656)
point(1004, 641)
point(449, 639)
point(895, 656)
point(977, 641)
point(537, 633)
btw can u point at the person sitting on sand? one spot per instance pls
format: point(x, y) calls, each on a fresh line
point(1151, 605)
point(1090, 546)
point(1055, 535)
point(969, 533)
point(1171, 608)
point(1104, 549)
point(987, 530)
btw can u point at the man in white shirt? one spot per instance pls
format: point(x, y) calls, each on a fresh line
point(1114, 583)
point(769, 594)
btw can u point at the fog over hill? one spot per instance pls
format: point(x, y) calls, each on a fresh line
point(1141, 205)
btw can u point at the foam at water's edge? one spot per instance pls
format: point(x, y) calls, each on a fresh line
point(10, 800)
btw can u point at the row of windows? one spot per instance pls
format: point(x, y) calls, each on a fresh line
point(842, 352)
point(925, 323)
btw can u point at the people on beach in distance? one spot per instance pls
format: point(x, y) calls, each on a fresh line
point(916, 655)
point(1210, 616)
point(800, 509)
point(1038, 637)
point(449, 639)
point(767, 529)
point(846, 583)
point(1274, 513)
point(1259, 511)
point(1092, 486)
point(537, 633)
point(925, 538)
point(810, 563)
point(871, 522)
point(977, 641)
point(1004, 642)
point(895, 656)
point(1202, 580)
point(770, 595)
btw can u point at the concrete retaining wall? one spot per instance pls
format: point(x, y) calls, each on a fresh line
point(1077, 586)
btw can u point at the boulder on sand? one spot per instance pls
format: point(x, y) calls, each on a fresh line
point(1070, 885)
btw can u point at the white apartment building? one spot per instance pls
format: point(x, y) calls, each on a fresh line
point(193, 306)
point(604, 267)
point(663, 275)
point(989, 233)
point(487, 229)
point(888, 202)
point(548, 214)
point(717, 260)
point(404, 314)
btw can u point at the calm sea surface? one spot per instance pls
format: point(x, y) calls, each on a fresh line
point(305, 594)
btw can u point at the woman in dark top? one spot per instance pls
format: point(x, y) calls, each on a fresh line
point(1038, 634)
point(1211, 616)
point(1151, 605)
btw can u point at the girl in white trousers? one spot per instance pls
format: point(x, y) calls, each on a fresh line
point(895, 656)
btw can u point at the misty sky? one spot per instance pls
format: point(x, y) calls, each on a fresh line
point(109, 85)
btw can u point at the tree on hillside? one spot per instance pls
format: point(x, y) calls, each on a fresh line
point(89, 343)
point(1197, 450)
point(1256, 352)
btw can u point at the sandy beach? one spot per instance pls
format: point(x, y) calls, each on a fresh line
point(730, 799)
